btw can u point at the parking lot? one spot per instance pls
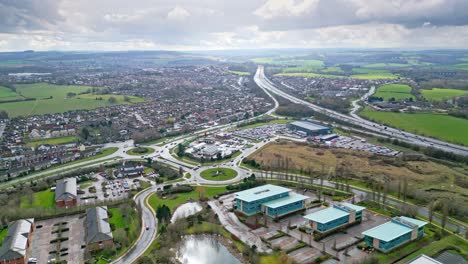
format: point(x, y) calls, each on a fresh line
point(262, 132)
point(59, 239)
point(360, 144)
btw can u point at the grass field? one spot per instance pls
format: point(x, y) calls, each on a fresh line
point(240, 72)
point(439, 94)
point(218, 174)
point(332, 69)
point(53, 99)
point(397, 91)
point(386, 65)
point(461, 66)
point(309, 75)
point(374, 76)
point(3, 233)
point(140, 151)
point(7, 94)
point(117, 218)
point(51, 141)
point(441, 126)
point(172, 201)
point(42, 199)
point(421, 175)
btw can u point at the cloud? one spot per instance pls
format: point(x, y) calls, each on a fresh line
point(279, 8)
point(178, 13)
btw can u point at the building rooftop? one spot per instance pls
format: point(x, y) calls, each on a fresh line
point(97, 225)
point(15, 243)
point(392, 229)
point(353, 206)
point(66, 189)
point(308, 125)
point(260, 192)
point(326, 215)
point(291, 198)
point(423, 259)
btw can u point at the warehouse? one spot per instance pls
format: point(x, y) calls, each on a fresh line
point(394, 233)
point(275, 201)
point(309, 128)
point(334, 217)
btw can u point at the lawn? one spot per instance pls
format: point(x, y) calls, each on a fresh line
point(51, 141)
point(240, 72)
point(439, 94)
point(7, 94)
point(397, 91)
point(117, 218)
point(140, 151)
point(172, 201)
point(218, 174)
point(42, 199)
point(52, 98)
point(441, 126)
point(3, 233)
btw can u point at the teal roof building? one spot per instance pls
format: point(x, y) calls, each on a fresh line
point(398, 231)
point(337, 216)
point(275, 201)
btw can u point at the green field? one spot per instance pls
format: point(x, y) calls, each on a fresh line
point(42, 199)
point(309, 75)
point(240, 72)
point(305, 66)
point(439, 94)
point(51, 141)
point(218, 174)
point(117, 218)
point(53, 99)
point(332, 69)
point(385, 65)
point(172, 201)
point(440, 126)
point(397, 91)
point(374, 76)
point(6, 94)
point(461, 66)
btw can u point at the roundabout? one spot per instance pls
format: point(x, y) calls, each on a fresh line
point(140, 151)
point(218, 174)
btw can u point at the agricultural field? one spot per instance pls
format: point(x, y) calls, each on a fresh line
point(424, 175)
point(7, 94)
point(440, 126)
point(440, 94)
point(242, 73)
point(53, 99)
point(397, 91)
point(332, 69)
point(309, 75)
point(386, 65)
point(461, 66)
point(376, 76)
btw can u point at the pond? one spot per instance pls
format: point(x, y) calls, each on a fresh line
point(200, 249)
point(185, 210)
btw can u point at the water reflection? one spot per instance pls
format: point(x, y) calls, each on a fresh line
point(204, 250)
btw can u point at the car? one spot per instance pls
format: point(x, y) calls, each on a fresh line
point(147, 227)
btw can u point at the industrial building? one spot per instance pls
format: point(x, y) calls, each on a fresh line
point(335, 217)
point(15, 245)
point(394, 233)
point(308, 128)
point(66, 192)
point(274, 201)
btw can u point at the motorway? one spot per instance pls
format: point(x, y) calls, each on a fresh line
point(389, 132)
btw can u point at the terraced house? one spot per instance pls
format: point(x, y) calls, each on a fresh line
point(398, 231)
point(15, 246)
point(335, 217)
point(274, 201)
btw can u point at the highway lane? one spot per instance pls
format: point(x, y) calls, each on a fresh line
point(389, 132)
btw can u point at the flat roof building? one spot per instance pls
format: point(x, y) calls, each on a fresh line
point(311, 129)
point(275, 201)
point(337, 216)
point(15, 246)
point(66, 192)
point(394, 233)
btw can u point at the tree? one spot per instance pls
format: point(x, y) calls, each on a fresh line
point(112, 100)
point(126, 99)
point(3, 114)
point(163, 213)
point(445, 210)
point(85, 133)
point(219, 156)
point(431, 210)
point(180, 150)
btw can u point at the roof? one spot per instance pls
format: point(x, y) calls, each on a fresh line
point(392, 229)
point(97, 225)
point(291, 198)
point(15, 242)
point(308, 125)
point(423, 259)
point(326, 215)
point(260, 192)
point(357, 208)
point(66, 189)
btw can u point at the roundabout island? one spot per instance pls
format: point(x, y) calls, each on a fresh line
point(218, 174)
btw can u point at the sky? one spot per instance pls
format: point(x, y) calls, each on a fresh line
point(236, 24)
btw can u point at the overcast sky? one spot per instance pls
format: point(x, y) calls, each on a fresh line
point(235, 24)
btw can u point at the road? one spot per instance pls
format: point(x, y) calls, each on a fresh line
point(389, 132)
